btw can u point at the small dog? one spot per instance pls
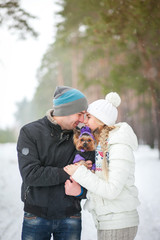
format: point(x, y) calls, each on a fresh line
point(85, 142)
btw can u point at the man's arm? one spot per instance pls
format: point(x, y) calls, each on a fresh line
point(32, 171)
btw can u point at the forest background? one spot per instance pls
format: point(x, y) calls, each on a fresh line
point(100, 46)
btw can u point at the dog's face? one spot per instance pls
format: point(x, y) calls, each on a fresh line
point(84, 142)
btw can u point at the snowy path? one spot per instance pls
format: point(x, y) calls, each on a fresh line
point(147, 180)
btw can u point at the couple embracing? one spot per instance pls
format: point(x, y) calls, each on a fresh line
point(53, 187)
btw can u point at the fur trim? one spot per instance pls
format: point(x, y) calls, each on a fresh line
point(50, 115)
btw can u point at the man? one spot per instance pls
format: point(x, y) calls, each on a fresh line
point(44, 148)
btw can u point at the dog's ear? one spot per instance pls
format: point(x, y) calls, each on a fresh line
point(76, 135)
point(96, 133)
point(76, 132)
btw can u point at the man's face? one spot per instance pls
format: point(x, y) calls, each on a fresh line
point(71, 121)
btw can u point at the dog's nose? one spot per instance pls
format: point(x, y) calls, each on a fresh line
point(85, 144)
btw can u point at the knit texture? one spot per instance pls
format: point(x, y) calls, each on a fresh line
point(118, 234)
point(106, 109)
point(68, 101)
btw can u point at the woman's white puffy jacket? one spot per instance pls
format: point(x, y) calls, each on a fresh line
point(113, 203)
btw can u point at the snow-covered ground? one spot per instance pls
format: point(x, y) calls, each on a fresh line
point(147, 181)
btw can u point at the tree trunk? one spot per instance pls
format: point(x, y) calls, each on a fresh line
point(60, 79)
point(150, 72)
point(157, 113)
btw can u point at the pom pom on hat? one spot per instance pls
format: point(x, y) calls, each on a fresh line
point(113, 98)
point(106, 109)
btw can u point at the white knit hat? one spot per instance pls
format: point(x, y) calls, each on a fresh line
point(106, 109)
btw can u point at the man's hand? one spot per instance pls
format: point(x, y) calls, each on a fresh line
point(72, 188)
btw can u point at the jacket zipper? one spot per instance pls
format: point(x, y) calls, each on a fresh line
point(26, 193)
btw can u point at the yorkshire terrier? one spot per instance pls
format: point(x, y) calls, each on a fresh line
point(85, 142)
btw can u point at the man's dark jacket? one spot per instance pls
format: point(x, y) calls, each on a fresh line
point(43, 150)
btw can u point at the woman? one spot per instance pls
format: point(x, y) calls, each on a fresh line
point(112, 197)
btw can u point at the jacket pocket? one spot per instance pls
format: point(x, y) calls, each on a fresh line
point(29, 216)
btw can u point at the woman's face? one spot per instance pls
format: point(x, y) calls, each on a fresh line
point(91, 122)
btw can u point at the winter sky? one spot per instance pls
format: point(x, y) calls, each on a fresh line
point(20, 59)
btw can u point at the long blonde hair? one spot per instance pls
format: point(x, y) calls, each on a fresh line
point(103, 141)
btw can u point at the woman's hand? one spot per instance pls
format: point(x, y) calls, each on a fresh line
point(70, 169)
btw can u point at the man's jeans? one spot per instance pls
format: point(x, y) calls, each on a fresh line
point(36, 228)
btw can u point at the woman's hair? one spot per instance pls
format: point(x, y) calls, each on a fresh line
point(103, 140)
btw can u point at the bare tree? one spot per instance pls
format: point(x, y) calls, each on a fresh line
point(16, 19)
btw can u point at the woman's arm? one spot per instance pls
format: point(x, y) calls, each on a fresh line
point(121, 162)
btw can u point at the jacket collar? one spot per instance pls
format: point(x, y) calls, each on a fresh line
point(53, 124)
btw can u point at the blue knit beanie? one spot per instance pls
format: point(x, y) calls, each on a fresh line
point(68, 101)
